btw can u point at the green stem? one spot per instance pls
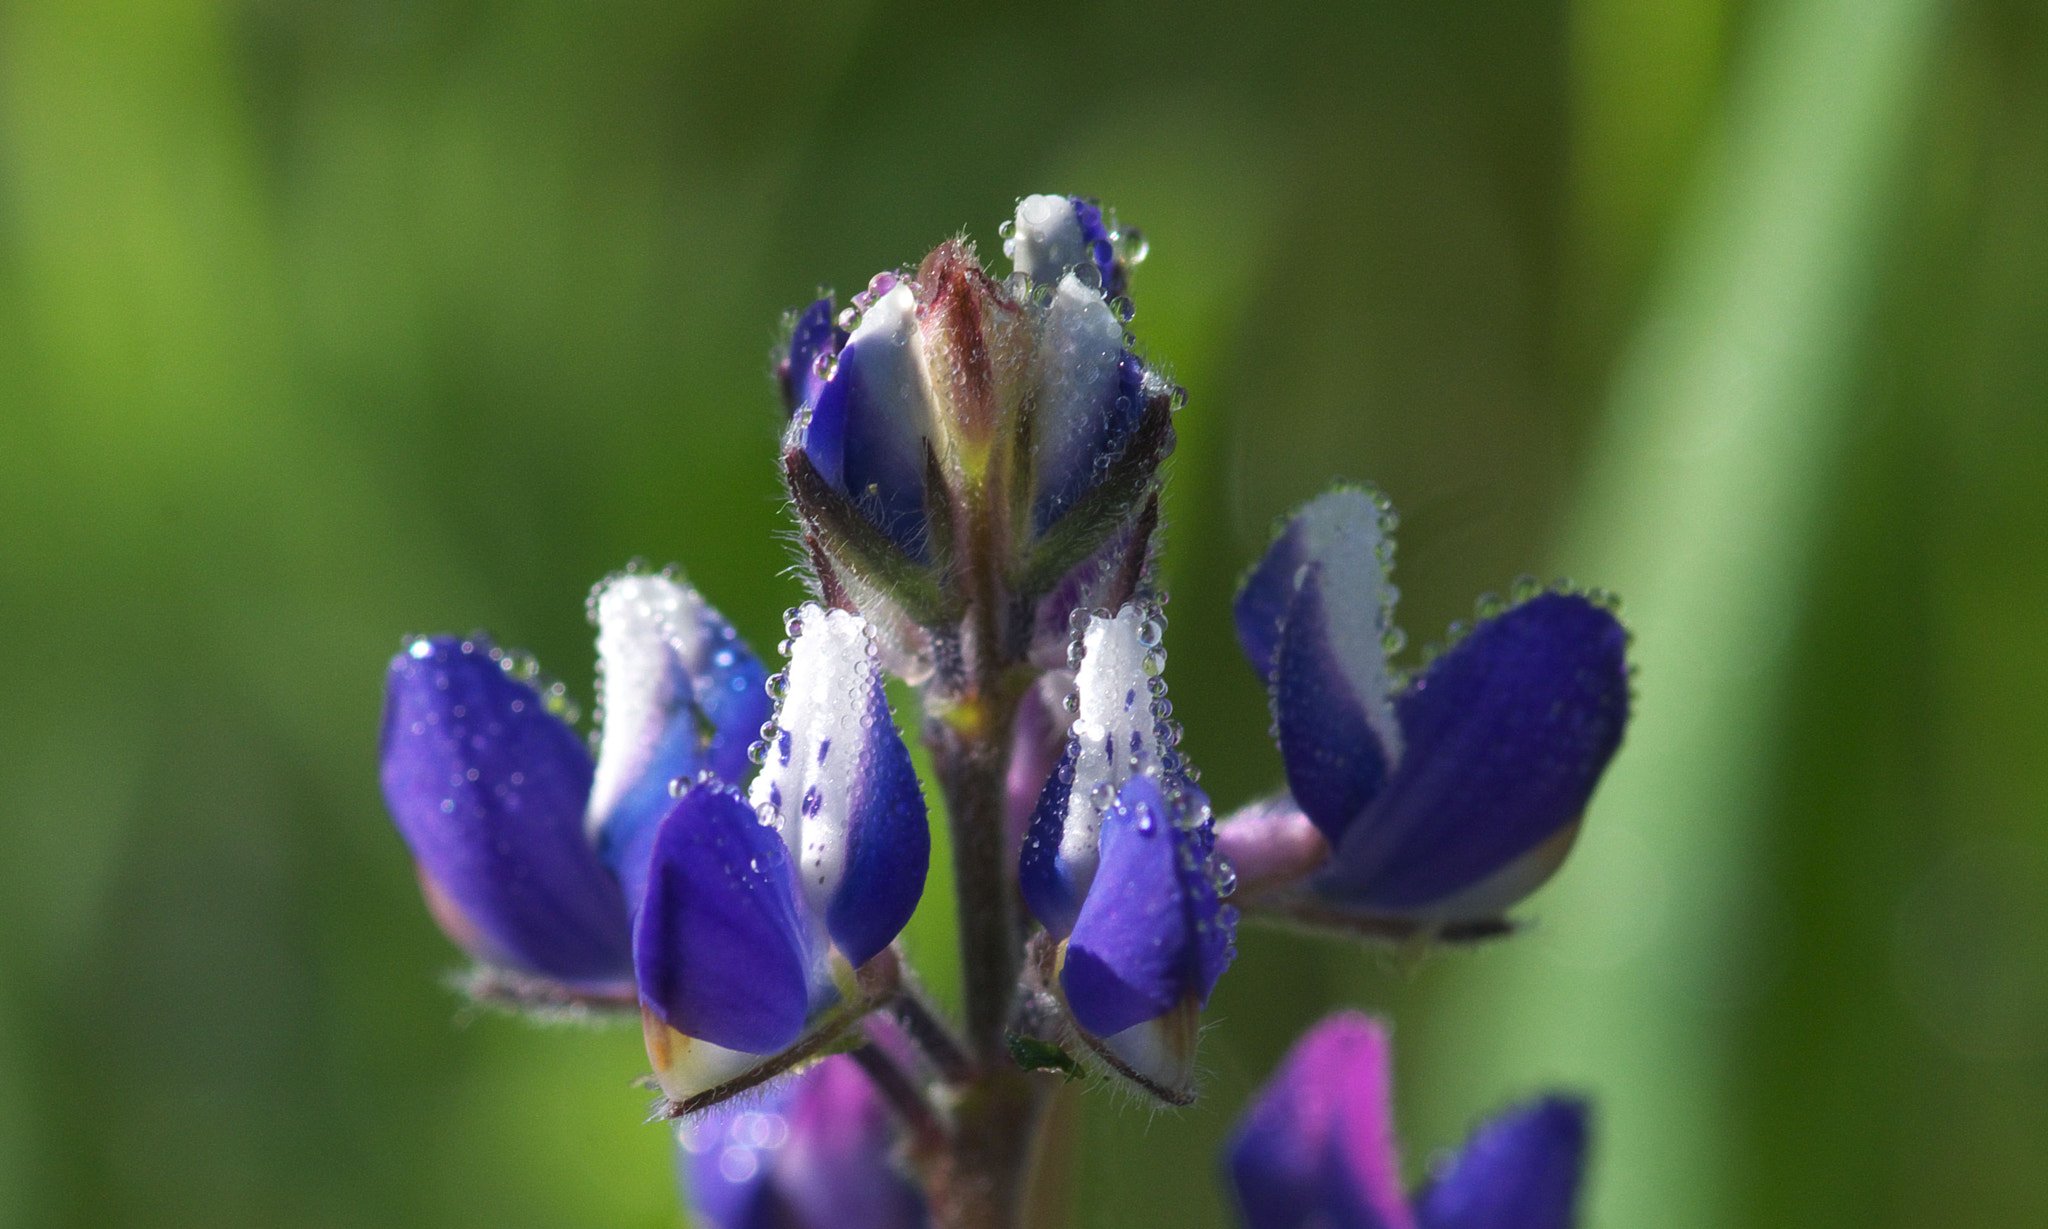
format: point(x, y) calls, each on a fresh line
point(980, 1179)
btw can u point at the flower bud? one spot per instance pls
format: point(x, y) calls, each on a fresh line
point(971, 429)
point(1056, 234)
point(1117, 734)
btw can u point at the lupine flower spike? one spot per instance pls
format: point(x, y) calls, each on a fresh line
point(974, 464)
point(1316, 1150)
point(1424, 806)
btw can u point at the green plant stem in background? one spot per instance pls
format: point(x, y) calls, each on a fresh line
point(1721, 438)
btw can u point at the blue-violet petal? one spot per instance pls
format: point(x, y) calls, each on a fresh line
point(1152, 931)
point(1507, 735)
point(1519, 1171)
point(722, 948)
point(1316, 1150)
point(488, 789)
point(814, 336)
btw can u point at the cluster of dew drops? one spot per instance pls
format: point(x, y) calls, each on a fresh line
point(1189, 808)
point(778, 690)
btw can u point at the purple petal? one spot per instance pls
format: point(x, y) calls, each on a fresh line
point(867, 428)
point(1317, 1146)
point(1507, 733)
point(838, 1169)
point(1051, 893)
point(1338, 740)
point(1519, 1171)
point(815, 1154)
point(840, 786)
point(721, 946)
point(1271, 844)
point(814, 335)
point(680, 693)
point(1152, 932)
point(1100, 250)
point(1036, 745)
point(488, 789)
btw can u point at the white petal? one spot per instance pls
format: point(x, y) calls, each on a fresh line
point(1048, 241)
point(1078, 357)
point(654, 642)
point(1115, 728)
point(1341, 532)
point(817, 759)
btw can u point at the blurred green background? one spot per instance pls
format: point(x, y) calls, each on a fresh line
point(325, 322)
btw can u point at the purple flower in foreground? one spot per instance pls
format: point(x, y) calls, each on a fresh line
point(1118, 864)
point(1316, 1150)
point(816, 1152)
point(737, 923)
point(1447, 797)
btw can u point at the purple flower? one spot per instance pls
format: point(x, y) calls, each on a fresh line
point(1119, 864)
point(1316, 1150)
point(1446, 797)
point(837, 783)
point(738, 922)
point(816, 1152)
point(760, 907)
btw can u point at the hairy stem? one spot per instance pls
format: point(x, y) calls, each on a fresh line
point(931, 1035)
point(971, 771)
point(980, 1180)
